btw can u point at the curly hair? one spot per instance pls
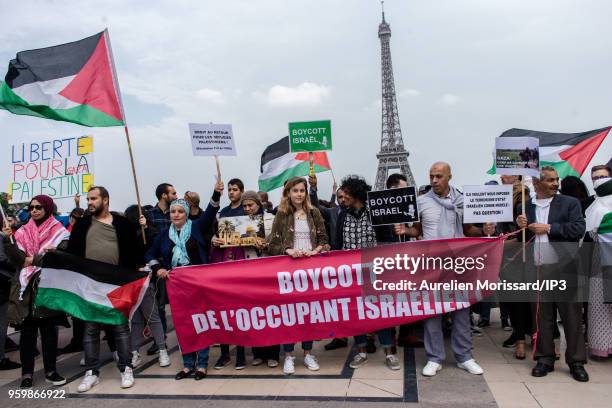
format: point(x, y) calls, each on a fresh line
point(356, 187)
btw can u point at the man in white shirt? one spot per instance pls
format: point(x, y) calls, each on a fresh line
point(555, 222)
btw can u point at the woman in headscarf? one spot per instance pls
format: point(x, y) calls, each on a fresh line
point(183, 243)
point(40, 234)
point(599, 226)
point(298, 231)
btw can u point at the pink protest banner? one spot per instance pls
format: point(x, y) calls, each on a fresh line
point(279, 300)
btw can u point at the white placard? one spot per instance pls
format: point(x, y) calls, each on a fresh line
point(517, 156)
point(212, 139)
point(487, 204)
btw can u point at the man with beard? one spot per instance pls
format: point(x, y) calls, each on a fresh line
point(160, 214)
point(107, 237)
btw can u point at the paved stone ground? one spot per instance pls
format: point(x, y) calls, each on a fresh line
point(506, 383)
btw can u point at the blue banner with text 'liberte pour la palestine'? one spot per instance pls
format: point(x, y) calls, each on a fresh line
point(59, 167)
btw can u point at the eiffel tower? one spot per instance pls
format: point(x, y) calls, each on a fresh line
point(393, 157)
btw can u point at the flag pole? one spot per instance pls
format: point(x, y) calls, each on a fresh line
point(218, 168)
point(216, 156)
point(523, 212)
point(311, 170)
point(125, 127)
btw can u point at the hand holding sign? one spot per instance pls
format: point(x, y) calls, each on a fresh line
point(394, 206)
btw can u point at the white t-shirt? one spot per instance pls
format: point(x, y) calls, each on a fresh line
point(429, 216)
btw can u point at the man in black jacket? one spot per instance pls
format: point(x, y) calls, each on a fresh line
point(108, 237)
point(556, 225)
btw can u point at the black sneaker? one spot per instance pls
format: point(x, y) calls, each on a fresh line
point(55, 379)
point(483, 323)
point(7, 364)
point(26, 383)
point(153, 349)
point(510, 341)
point(222, 362)
point(477, 332)
point(240, 362)
point(10, 345)
point(505, 325)
point(336, 344)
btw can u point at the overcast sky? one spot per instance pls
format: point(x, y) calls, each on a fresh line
point(465, 71)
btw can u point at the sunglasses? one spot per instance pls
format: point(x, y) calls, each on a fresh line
point(35, 207)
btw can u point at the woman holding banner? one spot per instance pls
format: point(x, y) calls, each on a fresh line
point(298, 231)
point(182, 244)
point(42, 233)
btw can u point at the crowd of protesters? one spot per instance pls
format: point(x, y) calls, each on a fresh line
point(179, 232)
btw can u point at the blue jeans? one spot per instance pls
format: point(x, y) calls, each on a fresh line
point(306, 346)
point(385, 336)
point(189, 359)
point(461, 337)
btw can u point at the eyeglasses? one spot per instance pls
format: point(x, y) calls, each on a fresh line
point(35, 207)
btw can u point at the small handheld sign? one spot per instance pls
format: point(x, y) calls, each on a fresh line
point(487, 204)
point(310, 136)
point(393, 206)
point(517, 156)
point(212, 139)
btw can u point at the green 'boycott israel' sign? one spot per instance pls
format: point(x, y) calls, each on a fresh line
point(310, 136)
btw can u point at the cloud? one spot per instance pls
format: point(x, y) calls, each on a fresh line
point(212, 96)
point(305, 94)
point(409, 93)
point(450, 99)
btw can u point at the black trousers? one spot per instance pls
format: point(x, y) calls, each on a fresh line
point(27, 344)
point(267, 353)
point(520, 318)
point(78, 333)
point(545, 321)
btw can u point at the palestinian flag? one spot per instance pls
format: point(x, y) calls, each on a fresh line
point(90, 290)
point(72, 82)
point(568, 153)
point(278, 164)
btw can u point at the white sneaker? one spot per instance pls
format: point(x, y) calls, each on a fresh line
point(164, 358)
point(392, 362)
point(431, 369)
point(90, 380)
point(311, 363)
point(136, 359)
point(289, 366)
point(359, 360)
point(127, 378)
point(272, 363)
point(471, 366)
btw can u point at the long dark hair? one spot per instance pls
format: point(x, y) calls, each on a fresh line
point(574, 187)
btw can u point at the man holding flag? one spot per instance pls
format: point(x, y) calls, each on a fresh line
point(110, 238)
